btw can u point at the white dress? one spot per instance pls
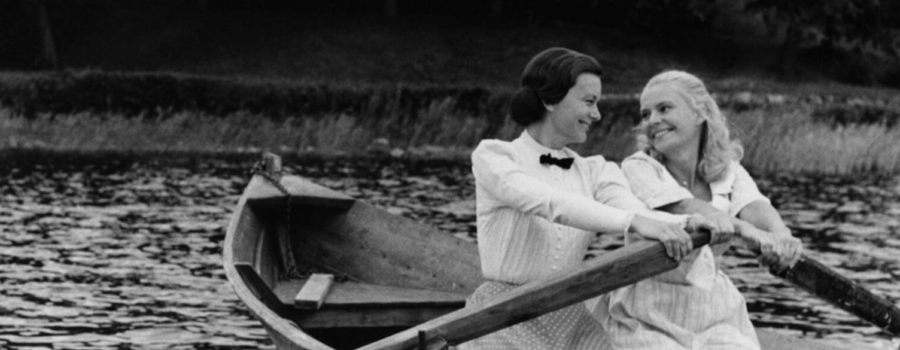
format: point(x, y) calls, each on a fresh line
point(694, 306)
point(537, 220)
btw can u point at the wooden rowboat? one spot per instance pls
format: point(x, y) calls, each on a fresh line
point(395, 283)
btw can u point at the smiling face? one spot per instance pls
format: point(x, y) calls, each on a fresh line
point(568, 121)
point(672, 124)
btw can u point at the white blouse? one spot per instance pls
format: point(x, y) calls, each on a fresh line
point(656, 187)
point(536, 220)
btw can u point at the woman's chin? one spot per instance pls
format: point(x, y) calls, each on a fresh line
point(661, 148)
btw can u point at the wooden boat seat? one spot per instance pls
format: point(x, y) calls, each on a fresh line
point(354, 304)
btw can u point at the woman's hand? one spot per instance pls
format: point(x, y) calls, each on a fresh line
point(723, 229)
point(778, 250)
point(787, 250)
point(677, 242)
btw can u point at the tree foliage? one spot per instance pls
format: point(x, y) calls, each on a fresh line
point(662, 16)
point(827, 22)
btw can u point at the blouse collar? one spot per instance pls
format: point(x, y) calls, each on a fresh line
point(722, 186)
point(532, 144)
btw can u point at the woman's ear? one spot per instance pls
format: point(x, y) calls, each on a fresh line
point(548, 108)
point(698, 114)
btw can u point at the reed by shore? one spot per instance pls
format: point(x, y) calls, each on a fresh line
point(825, 131)
point(779, 139)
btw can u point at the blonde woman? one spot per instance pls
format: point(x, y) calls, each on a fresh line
point(690, 165)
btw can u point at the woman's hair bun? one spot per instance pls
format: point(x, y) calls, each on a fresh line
point(526, 107)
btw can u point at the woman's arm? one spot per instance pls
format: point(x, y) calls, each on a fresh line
point(653, 186)
point(780, 250)
point(759, 227)
point(777, 246)
point(677, 242)
point(727, 225)
point(497, 172)
point(764, 216)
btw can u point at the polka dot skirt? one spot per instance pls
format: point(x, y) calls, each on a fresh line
point(570, 328)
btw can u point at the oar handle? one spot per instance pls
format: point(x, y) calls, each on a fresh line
point(820, 280)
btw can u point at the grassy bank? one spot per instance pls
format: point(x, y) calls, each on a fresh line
point(782, 139)
point(95, 111)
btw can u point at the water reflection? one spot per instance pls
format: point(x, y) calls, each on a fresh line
point(125, 252)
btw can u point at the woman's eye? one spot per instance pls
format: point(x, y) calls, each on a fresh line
point(664, 109)
point(645, 115)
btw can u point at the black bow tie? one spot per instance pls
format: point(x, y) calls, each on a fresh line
point(564, 163)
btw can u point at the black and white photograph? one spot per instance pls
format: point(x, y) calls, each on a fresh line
point(449, 175)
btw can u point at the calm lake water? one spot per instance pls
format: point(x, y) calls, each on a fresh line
point(115, 252)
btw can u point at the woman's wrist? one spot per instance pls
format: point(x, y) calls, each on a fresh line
point(781, 231)
point(635, 223)
point(744, 229)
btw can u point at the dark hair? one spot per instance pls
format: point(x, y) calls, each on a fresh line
point(546, 80)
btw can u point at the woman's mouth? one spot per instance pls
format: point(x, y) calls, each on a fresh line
point(659, 133)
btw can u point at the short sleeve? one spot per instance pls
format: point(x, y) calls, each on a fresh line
point(651, 182)
point(744, 190)
point(611, 187)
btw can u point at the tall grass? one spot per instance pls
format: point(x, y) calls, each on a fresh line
point(786, 139)
point(438, 130)
point(790, 139)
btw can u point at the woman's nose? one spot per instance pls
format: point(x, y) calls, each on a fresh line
point(595, 114)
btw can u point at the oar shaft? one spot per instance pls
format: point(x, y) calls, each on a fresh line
point(616, 269)
point(816, 278)
point(603, 274)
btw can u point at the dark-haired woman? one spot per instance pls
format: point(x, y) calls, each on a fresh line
point(539, 204)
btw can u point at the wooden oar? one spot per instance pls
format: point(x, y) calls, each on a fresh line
point(613, 270)
point(600, 275)
point(823, 282)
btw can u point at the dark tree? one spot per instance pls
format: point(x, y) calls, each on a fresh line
point(661, 17)
point(823, 24)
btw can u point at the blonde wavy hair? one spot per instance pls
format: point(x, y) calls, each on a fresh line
point(717, 149)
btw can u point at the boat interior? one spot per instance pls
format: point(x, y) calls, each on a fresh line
point(318, 260)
